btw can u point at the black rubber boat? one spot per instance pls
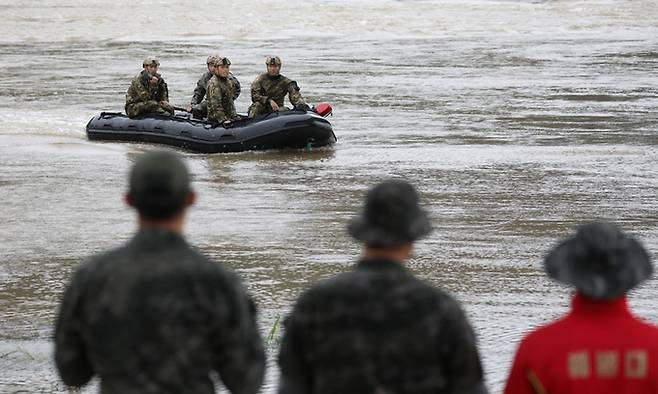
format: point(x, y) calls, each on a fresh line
point(294, 129)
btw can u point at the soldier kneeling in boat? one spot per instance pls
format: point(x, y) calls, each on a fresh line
point(221, 108)
point(198, 105)
point(148, 93)
point(269, 90)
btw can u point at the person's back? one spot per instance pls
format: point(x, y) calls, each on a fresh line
point(155, 316)
point(596, 348)
point(378, 329)
point(599, 346)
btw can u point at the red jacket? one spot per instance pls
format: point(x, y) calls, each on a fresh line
point(599, 347)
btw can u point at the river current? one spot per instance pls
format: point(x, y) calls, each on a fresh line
point(516, 121)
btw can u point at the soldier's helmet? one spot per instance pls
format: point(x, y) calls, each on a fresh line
point(211, 59)
point(220, 61)
point(273, 60)
point(151, 61)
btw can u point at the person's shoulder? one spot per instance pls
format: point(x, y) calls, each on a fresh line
point(260, 78)
point(138, 77)
point(213, 81)
point(99, 264)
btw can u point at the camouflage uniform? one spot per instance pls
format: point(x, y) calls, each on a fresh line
point(199, 105)
point(377, 330)
point(142, 98)
point(266, 88)
point(220, 100)
point(155, 316)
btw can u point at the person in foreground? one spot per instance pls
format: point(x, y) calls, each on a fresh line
point(155, 316)
point(148, 93)
point(379, 329)
point(599, 346)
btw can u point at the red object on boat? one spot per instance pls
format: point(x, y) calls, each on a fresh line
point(324, 109)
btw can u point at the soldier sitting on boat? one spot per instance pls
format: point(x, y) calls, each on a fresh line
point(148, 93)
point(221, 108)
point(270, 89)
point(198, 105)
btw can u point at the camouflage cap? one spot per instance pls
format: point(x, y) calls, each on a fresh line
point(220, 61)
point(274, 60)
point(600, 261)
point(159, 184)
point(210, 60)
point(151, 60)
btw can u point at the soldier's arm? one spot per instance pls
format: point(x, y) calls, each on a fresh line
point(295, 375)
point(257, 94)
point(294, 95)
point(199, 91)
point(214, 98)
point(459, 352)
point(71, 359)
point(238, 350)
point(165, 91)
point(231, 112)
point(235, 85)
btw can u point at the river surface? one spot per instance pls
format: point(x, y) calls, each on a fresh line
point(516, 120)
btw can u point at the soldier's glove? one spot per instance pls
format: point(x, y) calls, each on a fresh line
point(302, 107)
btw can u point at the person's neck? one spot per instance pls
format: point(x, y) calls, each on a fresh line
point(175, 224)
point(399, 254)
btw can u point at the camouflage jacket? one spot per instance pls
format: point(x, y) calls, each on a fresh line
point(154, 316)
point(202, 84)
point(220, 100)
point(266, 88)
point(378, 330)
point(140, 91)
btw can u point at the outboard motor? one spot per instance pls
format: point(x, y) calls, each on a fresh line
point(323, 109)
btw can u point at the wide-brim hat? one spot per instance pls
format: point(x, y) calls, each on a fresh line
point(391, 216)
point(600, 261)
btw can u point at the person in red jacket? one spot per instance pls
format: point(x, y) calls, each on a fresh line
point(599, 346)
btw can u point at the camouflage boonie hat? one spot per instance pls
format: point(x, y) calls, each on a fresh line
point(151, 61)
point(274, 60)
point(220, 61)
point(600, 261)
point(391, 216)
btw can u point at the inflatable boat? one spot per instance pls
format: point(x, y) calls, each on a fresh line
point(293, 129)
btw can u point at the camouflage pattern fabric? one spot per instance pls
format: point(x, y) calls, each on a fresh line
point(266, 88)
point(378, 329)
point(202, 84)
point(142, 98)
point(155, 316)
point(220, 100)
